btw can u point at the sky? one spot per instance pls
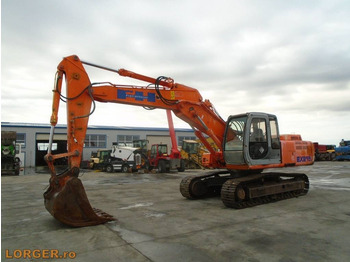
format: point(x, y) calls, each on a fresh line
point(288, 58)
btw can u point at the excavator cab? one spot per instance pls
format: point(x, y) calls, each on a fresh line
point(252, 139)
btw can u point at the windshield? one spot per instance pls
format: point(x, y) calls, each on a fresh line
point(190, 148)
point(234, 134)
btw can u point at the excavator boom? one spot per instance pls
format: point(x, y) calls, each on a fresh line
point(65, 198)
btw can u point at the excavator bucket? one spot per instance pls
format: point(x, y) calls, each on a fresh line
point(66, 200)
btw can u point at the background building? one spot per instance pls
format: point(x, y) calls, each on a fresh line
point(34, 139)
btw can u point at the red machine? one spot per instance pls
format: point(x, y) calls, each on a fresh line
point(159, 156)
point(248, 143)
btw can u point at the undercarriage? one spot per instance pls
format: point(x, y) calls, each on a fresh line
point(241, 191)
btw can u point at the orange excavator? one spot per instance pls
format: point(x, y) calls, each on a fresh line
point(245, 144)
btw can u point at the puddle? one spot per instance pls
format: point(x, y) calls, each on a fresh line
point(331, 183)
point(128, 235)
point(156, 215)
point(137, 205)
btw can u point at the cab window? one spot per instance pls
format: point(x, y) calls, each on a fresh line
point(275, 142)
point(234, 134)
point(258, 130)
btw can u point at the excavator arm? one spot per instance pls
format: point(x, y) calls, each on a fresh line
point(80, 98)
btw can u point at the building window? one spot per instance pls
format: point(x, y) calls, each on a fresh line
point(98, 141)
point(44, 146)
point(182, 138)
point(21, 140)
point(127, 139)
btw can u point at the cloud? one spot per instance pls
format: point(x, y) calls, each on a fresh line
point(280, 57)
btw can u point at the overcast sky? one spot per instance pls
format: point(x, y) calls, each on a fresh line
point(289, 58)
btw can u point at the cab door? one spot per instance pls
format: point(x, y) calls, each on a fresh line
point(261, 144)
point(252, 139)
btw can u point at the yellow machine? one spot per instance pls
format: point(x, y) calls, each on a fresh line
point(191, 153)
point(195, 154)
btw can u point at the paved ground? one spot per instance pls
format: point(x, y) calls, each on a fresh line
point(155, 223)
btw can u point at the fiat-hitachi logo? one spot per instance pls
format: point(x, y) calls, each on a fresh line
point(137, 95)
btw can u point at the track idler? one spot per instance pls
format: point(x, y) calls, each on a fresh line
point(208, 185)
point(66, 200)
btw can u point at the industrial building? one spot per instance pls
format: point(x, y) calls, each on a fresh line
point(33, 139)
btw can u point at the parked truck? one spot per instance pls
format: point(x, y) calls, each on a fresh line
point(119, 158)
point(343, 151)
point(10, 164)
point(324, 152)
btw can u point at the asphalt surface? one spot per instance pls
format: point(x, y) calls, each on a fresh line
point(155, 223)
